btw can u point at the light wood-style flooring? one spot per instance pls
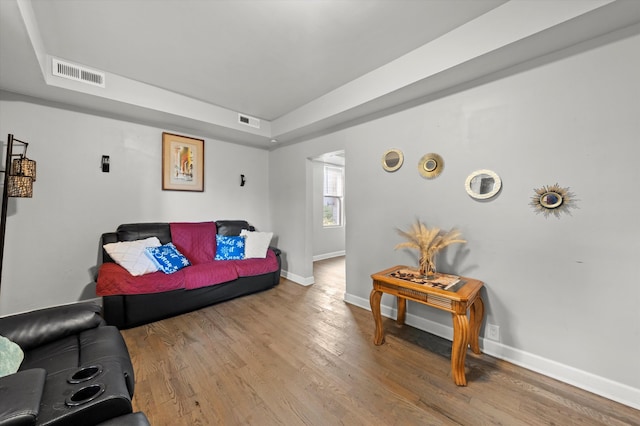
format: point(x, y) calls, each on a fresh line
point(297, 355)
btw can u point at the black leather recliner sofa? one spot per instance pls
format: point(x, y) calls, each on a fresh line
point(126, 311)
point(76, 370)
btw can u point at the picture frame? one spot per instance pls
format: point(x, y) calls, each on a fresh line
point(182, 163)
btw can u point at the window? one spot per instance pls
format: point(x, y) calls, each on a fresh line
point(333, 196)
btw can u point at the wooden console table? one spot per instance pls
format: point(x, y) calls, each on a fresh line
point(464, 298)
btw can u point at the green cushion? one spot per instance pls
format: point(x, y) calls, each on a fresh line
point(11, 357)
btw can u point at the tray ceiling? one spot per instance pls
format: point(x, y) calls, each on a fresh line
point(300, 67)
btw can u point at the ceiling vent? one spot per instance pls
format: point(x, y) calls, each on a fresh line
point(249, 121)
point(77, 72)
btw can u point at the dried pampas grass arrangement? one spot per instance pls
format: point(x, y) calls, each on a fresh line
point(428, 242)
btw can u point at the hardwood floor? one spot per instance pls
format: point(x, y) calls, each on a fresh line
point(299, 355)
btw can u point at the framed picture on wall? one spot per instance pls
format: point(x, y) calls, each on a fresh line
point(182, 163)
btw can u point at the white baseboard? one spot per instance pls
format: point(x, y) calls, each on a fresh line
point(329, 255)
point(305, 281)
point(598, 385)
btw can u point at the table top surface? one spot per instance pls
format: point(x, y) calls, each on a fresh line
point(465, 292)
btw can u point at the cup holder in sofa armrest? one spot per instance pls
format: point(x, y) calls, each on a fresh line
point(85, 394)
point(85, 373)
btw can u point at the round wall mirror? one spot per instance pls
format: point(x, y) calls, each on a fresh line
point(430, 165)
point(551, 200)
point(392, 160)
point(483, 184)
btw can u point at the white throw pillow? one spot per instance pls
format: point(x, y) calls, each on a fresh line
point(257, 243)
point(131, 255)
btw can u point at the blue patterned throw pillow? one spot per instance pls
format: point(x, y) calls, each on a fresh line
point(167, 258)
point(229, 248)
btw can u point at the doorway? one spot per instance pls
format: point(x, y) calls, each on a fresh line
point(328, 217)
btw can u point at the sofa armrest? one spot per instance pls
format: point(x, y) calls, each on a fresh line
point(35, 328)
point(20, 396)
point(276, 250)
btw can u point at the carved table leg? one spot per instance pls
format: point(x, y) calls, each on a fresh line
point(402, 310)
point(374, 300)
point(477, 316)
point(459, 348)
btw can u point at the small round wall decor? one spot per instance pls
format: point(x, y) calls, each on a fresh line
point(430, 165)
point(553, 199)
point(483, 184)
point(392, 160)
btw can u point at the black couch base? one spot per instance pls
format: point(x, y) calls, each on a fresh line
point(127, 311)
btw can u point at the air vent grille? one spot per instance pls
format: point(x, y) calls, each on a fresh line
point(249, 121)
point(77, 73)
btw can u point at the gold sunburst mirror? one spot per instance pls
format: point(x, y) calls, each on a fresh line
point(430, 166)
point(553, 199)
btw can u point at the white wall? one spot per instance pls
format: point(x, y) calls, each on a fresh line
point(563, 291)
point(52, 239)
point(327, 241)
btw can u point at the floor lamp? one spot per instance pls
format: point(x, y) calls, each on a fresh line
point(19, 175)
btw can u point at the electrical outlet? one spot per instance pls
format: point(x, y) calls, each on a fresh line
point(493, 332)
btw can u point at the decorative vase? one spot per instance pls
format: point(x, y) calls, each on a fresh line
point(428, 266)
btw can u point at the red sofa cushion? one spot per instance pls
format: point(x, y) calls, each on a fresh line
point(256, 266)
point(197, 241)
point(114, 279)
point(206, 274)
